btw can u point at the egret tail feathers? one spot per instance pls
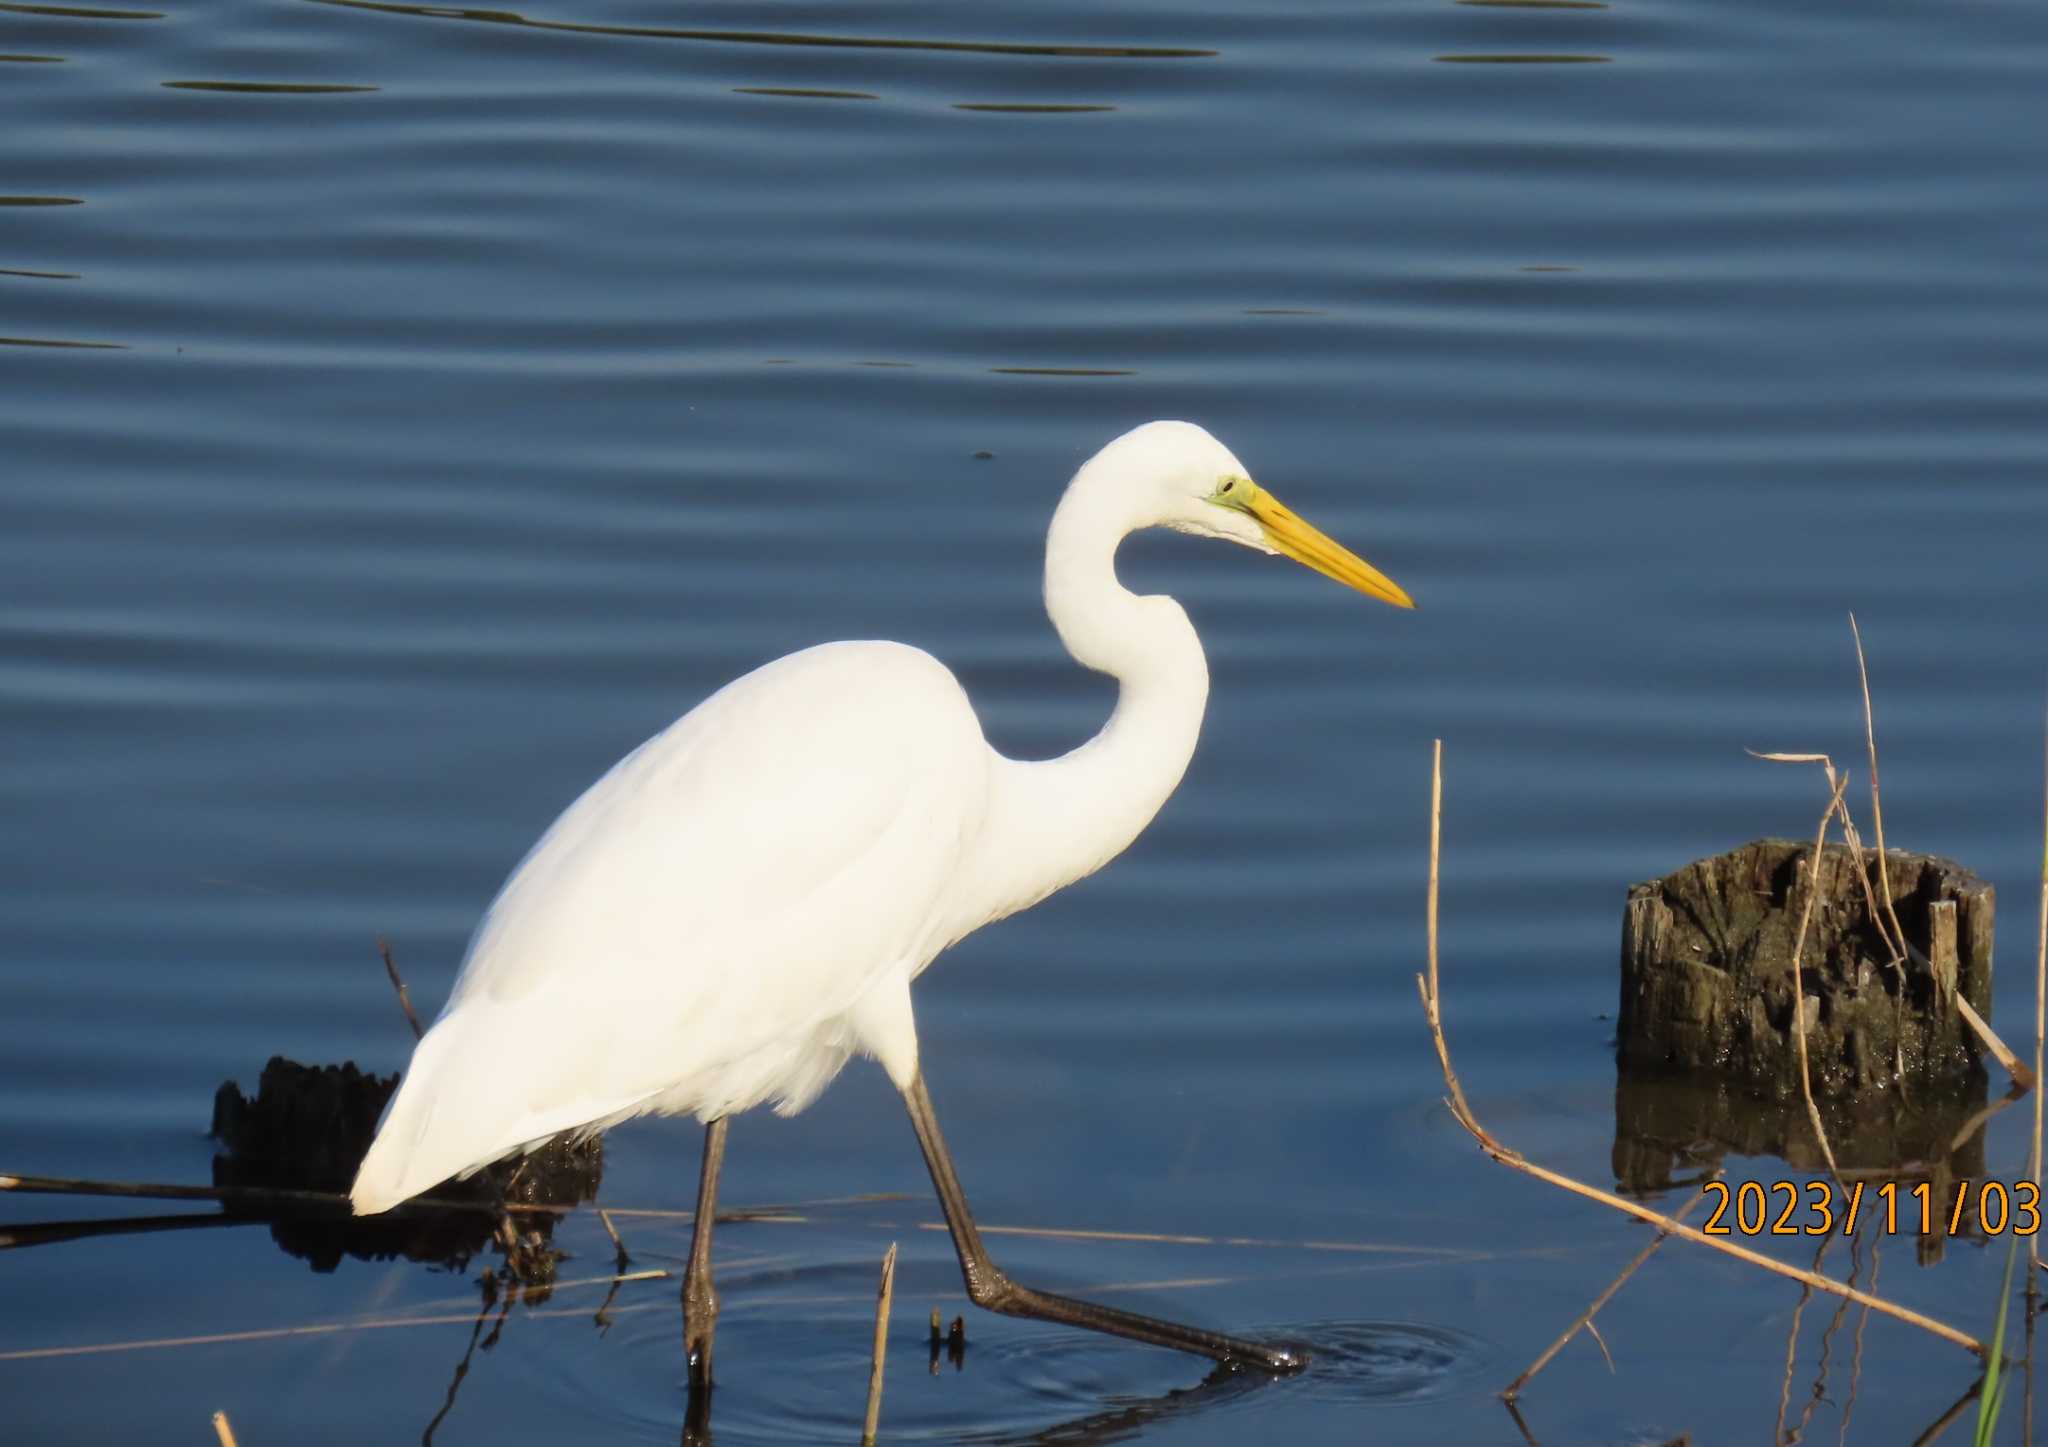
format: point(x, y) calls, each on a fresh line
point(453, 1115)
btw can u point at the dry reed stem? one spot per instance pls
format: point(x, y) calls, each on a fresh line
point(278, 1196)
point(2006, 1058)
point(1068, 1233)
point(2021, 1076)
point(1459, 1106)
point(1896, 948)
point(1436, 844)
point(1900, 951)
point(328, 1328)
point(768, 1211)
point(1601, 1341)
point(1514, 1160)
point(404, 997)
point(240, 1195)
point(1585, 1318)
point(223, 1429)
point(2040, 1002)
point(884, 1297)
point(604, 1219)
point(1884, 874)
point(1820, 840)
point(430, 1317)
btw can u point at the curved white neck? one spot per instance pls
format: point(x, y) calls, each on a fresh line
point(1051, 823)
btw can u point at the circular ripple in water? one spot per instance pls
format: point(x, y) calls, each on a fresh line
point(1381, 1361)
point(792, 1364)
point(792, 1368)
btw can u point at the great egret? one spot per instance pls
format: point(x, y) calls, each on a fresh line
point(742, 902)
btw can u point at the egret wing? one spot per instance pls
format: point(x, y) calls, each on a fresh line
point(689, 933)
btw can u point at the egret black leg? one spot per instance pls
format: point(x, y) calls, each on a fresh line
point(700, 1298)
point(988, 1287)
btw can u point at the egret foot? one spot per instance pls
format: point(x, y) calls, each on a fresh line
point(988, 1287)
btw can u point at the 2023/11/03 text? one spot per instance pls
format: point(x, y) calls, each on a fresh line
point(1816, 1208)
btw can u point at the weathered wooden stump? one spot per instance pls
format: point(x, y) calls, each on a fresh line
point(1706, 971)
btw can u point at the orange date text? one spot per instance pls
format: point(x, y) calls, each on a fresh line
point(1818, 1208)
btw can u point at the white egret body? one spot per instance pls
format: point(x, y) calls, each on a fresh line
point(742, 902)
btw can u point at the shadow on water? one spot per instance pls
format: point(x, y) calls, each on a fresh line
point(308, 1128)
point(1672, 1133)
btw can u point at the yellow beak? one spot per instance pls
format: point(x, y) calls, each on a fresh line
point(1313, 548)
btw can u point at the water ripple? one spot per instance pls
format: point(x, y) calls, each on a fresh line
point(775, 37)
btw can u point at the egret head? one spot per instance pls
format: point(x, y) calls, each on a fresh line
point(1196, 485)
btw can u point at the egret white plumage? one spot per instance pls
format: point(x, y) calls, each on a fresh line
point(742, 902)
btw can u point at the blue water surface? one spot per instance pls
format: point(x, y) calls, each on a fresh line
point(406, 409)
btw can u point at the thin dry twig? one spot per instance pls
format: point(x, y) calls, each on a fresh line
point(1071, 1233)
point(1820, 840)
point(1458, 1103)
point(1884, 874)
point(1976, 1022)
point(240, 1195)
point(1594, 1332)
point(1516, 1161)
point(2040, 1000)
point(223, 1429)
point(1898, 951)
point(404, 997)
point(604, 1219)
point(322, 1328)
point(1436, 844)
point(884, 1297)
point(1585, 1318)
